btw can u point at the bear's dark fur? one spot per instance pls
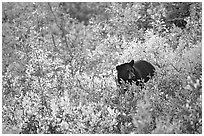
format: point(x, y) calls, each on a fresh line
point(140, 72)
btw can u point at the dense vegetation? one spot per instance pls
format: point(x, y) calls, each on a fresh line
point(59, 59)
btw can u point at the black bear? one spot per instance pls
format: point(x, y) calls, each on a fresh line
point(140, 72)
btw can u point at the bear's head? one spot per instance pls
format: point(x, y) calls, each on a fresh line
point(126, 72)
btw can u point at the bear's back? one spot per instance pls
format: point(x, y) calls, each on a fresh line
point(146, 69)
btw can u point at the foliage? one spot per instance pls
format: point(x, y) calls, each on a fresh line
point(59, 72)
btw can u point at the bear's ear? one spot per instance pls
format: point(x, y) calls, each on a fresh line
point(117, 68)
point(131, 63)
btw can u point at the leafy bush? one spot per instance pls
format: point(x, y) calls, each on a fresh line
point(59, 74)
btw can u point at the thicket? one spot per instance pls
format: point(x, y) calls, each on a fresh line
point(59, 59)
